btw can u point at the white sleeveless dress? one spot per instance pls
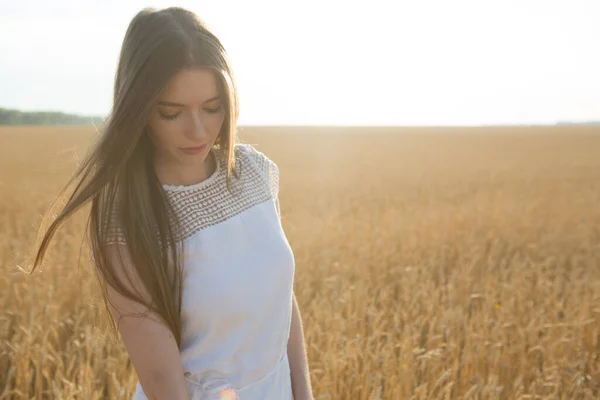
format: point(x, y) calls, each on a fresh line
point(238, 279)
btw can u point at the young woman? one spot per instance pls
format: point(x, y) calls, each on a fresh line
point(184, 226)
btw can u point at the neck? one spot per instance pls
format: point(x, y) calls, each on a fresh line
point(170, 173)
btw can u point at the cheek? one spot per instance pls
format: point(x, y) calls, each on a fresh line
point(216, 121)
point(164, 133)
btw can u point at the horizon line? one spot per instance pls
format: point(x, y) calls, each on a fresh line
point(591, 122)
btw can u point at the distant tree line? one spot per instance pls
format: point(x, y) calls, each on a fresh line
point(16, 117)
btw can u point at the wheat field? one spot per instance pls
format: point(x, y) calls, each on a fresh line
point(431, 263)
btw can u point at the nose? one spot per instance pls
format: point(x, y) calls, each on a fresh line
point(197, 130)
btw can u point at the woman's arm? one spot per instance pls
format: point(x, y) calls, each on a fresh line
point(150, 344)
point(301, 386)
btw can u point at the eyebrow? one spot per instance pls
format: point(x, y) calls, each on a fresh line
point(172, 104)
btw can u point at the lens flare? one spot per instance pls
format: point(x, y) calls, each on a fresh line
point(228, 394)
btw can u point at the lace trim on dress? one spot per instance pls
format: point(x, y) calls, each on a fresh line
point(209, 202)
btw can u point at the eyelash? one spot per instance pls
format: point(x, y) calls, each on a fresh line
point(170, 117)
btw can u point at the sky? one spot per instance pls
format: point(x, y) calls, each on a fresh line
point(328, 62)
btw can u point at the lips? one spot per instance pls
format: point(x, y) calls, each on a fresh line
point(194, 150)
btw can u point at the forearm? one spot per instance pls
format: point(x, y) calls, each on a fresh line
point(299, 371)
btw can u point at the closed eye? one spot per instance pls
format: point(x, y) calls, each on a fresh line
point(169, 116)
point(213, 110)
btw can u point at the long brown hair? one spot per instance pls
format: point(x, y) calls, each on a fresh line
point(118, 169)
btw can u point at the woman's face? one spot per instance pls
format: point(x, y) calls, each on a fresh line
point(186, 120)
